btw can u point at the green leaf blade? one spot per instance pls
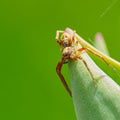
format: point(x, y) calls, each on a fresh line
point(100, 101)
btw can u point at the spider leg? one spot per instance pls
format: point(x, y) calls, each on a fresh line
point(58, 70)
point(85, 63)
point(58, 33)
point(89, 50)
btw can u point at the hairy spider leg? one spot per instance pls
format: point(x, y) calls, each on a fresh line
point(58, 70)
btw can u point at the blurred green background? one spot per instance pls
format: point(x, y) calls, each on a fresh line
point(29, 86)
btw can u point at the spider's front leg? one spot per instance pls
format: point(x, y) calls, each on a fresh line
point(58, 34)
point(58, 70)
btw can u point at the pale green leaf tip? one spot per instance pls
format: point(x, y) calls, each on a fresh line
point(100, 101)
